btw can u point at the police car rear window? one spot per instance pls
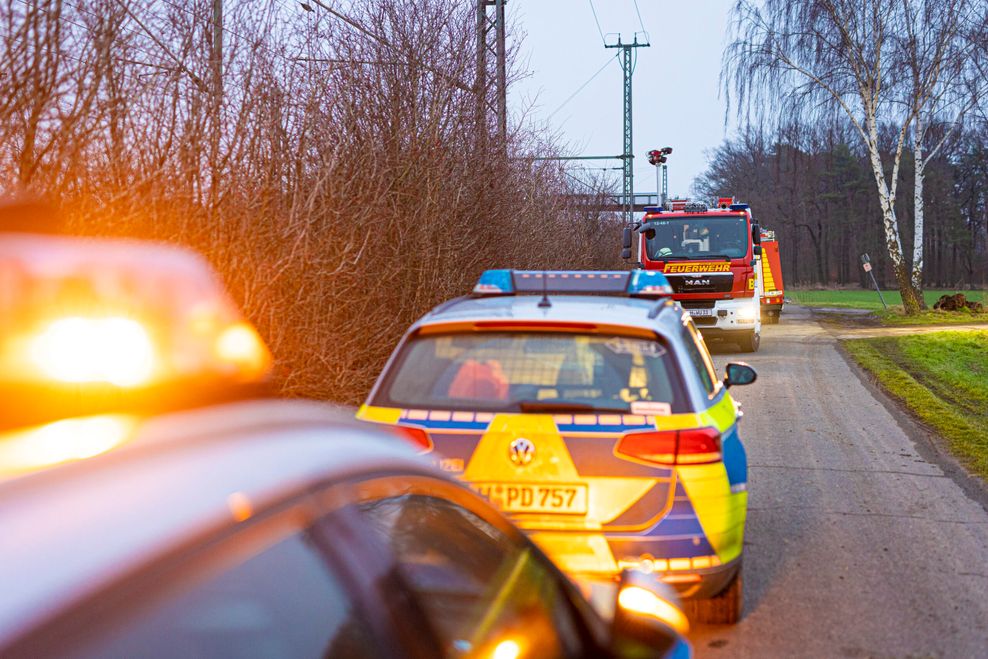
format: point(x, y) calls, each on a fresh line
point(518, 371)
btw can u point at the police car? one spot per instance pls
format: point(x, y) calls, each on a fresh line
point(154, 503)
point(585, 405)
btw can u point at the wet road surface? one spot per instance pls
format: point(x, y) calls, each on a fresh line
point(863, 540)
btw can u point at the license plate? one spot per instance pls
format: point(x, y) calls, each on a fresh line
point(701, 312)
point(569, 499)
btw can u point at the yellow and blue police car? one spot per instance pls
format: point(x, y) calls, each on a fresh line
point(585, 405)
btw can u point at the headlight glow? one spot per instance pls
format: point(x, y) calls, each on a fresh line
point(645, 602)
point(747, 313)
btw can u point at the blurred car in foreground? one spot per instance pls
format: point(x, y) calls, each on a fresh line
point(273, 529)
point(153, 503)
point(585, 405)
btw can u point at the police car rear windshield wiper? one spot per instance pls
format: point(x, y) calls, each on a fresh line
point(563, 406)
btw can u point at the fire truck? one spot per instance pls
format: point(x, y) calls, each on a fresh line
point(773, 295)
point(712, 258)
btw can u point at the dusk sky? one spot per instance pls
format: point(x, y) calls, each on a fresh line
point(676, 100)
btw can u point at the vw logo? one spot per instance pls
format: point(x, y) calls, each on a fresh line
point(521, 451)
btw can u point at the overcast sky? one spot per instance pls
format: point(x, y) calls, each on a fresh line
point(676, 101)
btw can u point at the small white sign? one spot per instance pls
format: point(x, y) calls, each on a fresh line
point(867, 267)
point(650, 408)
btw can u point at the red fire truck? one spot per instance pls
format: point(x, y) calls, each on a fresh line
point(712, 259)
point(773, 295)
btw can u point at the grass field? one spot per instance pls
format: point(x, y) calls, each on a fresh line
point(942, 378)
point(865, 299)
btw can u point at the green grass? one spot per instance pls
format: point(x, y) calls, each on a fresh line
point(942, 378)
point(868, 299)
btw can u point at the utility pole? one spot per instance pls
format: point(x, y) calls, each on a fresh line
point(627, 64)
point(216, 104)
point(492, 65)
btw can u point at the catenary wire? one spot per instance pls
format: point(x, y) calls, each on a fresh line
point(582, 87)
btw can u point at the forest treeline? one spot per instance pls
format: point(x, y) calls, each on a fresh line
point(813, 186)
point(334, 167)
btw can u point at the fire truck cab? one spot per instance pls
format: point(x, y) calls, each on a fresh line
point(712, 259)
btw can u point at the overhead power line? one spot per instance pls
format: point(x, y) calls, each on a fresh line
point(582, 87)
point(597, 21)
point(640, 21)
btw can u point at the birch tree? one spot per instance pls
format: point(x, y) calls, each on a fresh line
point(943, 81)
point(817, 57)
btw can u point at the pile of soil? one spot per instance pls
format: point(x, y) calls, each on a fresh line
point(957, 302)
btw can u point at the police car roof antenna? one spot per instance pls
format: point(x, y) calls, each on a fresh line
point(544, 303)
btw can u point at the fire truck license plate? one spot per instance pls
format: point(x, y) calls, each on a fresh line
point(527, 498)
point(701, 312)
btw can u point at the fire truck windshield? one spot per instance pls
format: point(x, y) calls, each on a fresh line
point(696, 237)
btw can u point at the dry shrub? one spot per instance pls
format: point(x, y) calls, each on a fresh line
point(343, 188)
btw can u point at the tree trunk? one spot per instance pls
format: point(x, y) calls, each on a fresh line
point(917, 270)
point(892, 242)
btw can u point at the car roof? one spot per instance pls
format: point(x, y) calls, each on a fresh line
point(615, 310)
point(70, 529)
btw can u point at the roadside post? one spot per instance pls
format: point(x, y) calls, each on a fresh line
point(866, 264)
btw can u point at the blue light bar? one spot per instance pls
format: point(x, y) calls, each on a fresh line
point(649, 283)
point(740, 207)
point(638, 283)
point(494, 282)
point(653, 209)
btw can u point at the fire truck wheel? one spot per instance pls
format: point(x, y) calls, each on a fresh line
point(749, 342)
point(724, 609)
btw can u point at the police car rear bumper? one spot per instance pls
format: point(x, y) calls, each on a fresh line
point(693, 578)
point(702, 583)
point(711, 582)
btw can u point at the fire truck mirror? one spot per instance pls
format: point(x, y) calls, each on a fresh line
point(756, 234)
point(626, 253)
point(757, 250)
point(626, 241)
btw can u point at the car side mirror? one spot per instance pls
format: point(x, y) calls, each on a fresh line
point(738, 373)
point(757, 250)
point(648, 618)
point(626, 236)
point(756, 234)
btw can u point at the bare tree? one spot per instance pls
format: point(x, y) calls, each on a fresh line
point(338, 186)
point(818, 57)
point(944, 78)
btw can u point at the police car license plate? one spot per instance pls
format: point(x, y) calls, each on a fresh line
point(563, 498)
point(701, 312)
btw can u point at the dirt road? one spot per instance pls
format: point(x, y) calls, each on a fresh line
point(862, 540)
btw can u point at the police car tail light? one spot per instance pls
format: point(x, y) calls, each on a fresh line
point(698, 446)
point(417, 436)
point(672, 447)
